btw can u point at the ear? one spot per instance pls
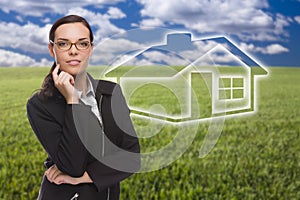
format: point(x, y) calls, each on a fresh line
point(92, 49)
point(50, 48)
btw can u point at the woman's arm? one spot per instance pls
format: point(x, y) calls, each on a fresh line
point(59, 138)
point(54, 175)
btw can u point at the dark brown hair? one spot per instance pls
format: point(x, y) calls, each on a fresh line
point(48, 87)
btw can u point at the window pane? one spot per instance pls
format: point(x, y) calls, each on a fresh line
point(224, 94)
point(238, 82)
point(237, 93)
point(224, 83)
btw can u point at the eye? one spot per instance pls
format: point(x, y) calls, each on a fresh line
point(83, 44)
point(62, 44)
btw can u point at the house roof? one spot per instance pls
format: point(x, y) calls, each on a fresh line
point(174, 56)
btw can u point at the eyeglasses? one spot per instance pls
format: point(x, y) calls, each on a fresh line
point(67, 45)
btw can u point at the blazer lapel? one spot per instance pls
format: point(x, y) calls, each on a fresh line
point(102, 87)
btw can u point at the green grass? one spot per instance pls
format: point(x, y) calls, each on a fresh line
point(256, 157)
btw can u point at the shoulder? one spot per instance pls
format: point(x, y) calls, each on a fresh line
point(34, 106)
point(36, 102)
point(36, 98)
point(105, 87)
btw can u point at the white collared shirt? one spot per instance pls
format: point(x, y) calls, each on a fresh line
point(90, 99)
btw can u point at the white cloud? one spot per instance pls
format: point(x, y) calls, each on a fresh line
point(297, 18)
point(270, 49)
point(155, 22)
point(170, 58)
point(12, 59)
point(275, 49)
point(9, 59)
point(111, 51)
point(46, 20)
point(28, 38)
point(39, 8)
point(33, 38)
point(43, 63)
point(19, 18)
point(246, 19)
point(217, 56)
point(104, 28)
point(201, 47)
point(115, 52)
point(115, 13)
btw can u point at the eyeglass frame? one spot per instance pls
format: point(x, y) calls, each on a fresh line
point(71, 44)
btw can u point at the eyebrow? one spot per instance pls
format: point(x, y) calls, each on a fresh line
point(69, 40)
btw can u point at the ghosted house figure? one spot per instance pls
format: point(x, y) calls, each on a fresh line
point(208, 77)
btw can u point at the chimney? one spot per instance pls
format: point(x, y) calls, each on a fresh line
point(182, 38)
point(179, 41)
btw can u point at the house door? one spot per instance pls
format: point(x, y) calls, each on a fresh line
point(202, 94)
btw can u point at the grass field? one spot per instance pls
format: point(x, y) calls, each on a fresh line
point(256, 157)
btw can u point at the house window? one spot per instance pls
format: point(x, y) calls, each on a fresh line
point(231, 88)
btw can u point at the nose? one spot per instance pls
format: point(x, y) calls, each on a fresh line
point(73, 50)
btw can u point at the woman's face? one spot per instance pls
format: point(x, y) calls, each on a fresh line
point(72, 61)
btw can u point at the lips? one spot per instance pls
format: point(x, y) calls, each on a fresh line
point(73, 62)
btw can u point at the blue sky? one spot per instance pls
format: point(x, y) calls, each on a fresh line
point(268, 30)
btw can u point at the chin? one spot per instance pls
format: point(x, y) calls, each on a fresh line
point(74, 70)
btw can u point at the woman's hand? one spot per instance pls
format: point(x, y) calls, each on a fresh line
point(54, 175)
point(64, 82)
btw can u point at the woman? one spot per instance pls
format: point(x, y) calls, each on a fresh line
point(83, 124)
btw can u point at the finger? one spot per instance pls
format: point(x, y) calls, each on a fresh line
point(52, 173)
point(64, 178)
point(55, 173)
point(62, 79)
point(63, 76)
point(59, 179)
point(67, 79)
point(55, 72)
point(49, 173)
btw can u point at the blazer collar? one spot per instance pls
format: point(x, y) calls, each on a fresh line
point(101, 87)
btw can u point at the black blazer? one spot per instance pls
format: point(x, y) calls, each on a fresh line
point(73, 139)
